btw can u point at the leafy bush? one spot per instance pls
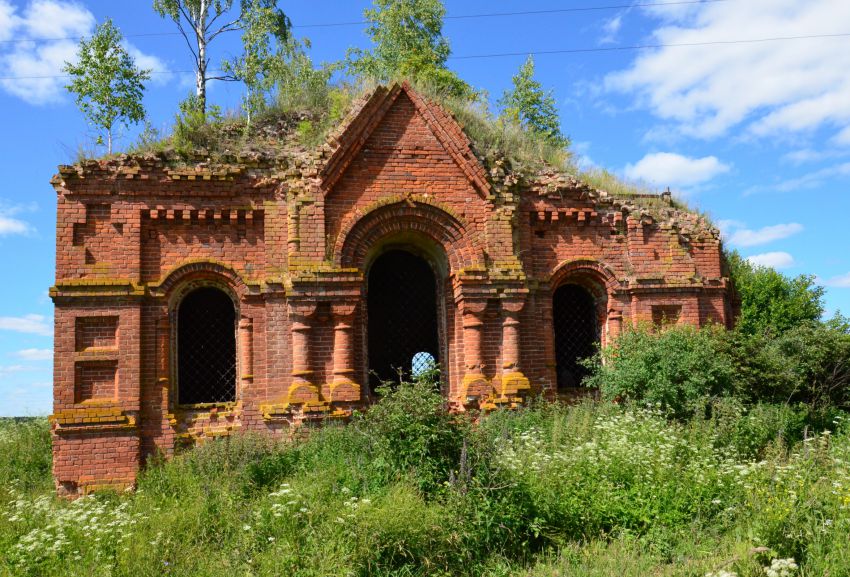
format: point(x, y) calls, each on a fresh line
point(193, 128)
point(770, 301)
point(677, 369)
point(413, 434)
point(808, 363)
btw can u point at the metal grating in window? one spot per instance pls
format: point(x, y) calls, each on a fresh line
point(576, 332)
point(206, 348)
point(402, 309)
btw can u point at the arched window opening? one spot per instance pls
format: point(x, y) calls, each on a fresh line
point(576, 332)
point(206, 348)
point(402, 310)
point(422, 363)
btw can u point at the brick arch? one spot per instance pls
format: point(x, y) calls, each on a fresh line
point(591, 274)
point(421, 217)
point(595, 277)
point(188, 276)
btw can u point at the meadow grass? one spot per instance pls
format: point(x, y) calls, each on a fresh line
point(586, 490)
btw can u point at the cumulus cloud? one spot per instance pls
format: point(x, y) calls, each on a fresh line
point(771, 88)
point(32, 324)
point(668, 168)
point(35, 354)
point(44, 37)
point(777, 260)
point(9, 223)
point(736, 233)
point(841, 281)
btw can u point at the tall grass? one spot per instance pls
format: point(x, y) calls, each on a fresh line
point(592, 489)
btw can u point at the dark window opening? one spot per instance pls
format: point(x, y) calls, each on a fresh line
point(206, 348)
point(402, 309)
point(576, 332)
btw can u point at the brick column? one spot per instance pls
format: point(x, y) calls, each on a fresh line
point(475, 384)
point(343, 388)
point(302, 390)
point(615, 326)
point(163, 350)
point(246, 349)
point(513, 381)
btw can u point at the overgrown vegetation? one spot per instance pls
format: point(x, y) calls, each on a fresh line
point(409, 489)
point(780, 351)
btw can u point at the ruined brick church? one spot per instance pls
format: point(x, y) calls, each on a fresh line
point(261, 291)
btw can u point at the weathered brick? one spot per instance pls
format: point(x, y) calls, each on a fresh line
point(293, 248)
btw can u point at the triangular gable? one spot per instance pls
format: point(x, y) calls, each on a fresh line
point(445, 128)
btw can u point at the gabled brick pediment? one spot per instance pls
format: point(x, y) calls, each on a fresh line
point(358, 131)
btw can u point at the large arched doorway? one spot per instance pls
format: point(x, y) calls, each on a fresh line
point(403, 332)
point(576, 332)
point(206, 348)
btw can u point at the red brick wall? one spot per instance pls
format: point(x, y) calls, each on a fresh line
point(292, 247)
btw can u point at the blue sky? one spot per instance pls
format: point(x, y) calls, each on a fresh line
point(756, 134)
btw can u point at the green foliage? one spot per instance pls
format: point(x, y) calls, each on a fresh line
point(527, 104)
point(500, 144)
point(590, 489)
point(265, 38)
point(770, 301)
point(677, 369)
point(25, 454)
point(301, 87)
point(202, 21)
point(413, 434)
point(408, 43)
point(808, 363)
point(107, 84)
point(194, 126)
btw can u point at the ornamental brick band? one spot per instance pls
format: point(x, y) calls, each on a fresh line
point(289, 242)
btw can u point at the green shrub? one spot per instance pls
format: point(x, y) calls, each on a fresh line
point(808, 363)
point(195, 129)
point(677, 369)
point(413, 434)
point(770, 301)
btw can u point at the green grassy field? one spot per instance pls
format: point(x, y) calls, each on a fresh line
point(592, 489)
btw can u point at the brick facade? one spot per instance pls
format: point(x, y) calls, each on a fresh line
point(290, 239)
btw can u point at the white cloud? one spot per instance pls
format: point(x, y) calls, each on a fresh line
point(8, 20)
point(777, 260)
point(843, 137)
point(610, 29)
point(770, 87)
point(44, 38)
point(735, 233)
point(33, 324)
point(841, 281)
point(10, 369)
point(814, 179)
point(48, 19)
point(160, 74)
point(35, 354)
point(9, 224)
point(667, 168)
